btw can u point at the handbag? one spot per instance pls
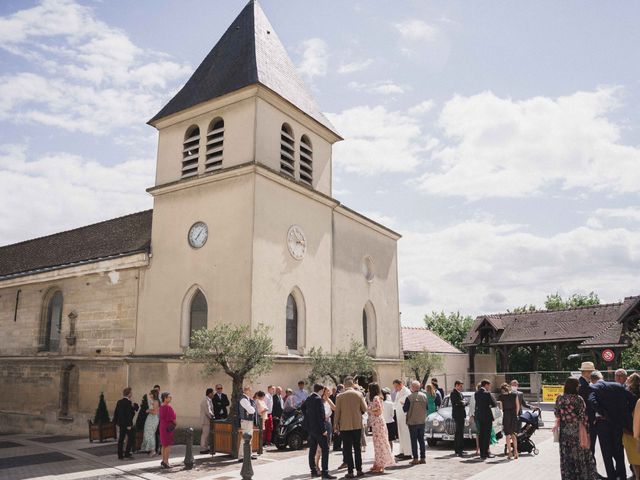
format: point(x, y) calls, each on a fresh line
point(171, 427)
point(585, 441)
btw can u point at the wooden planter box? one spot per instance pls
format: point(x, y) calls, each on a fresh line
point(102, 431)
point(222, 433)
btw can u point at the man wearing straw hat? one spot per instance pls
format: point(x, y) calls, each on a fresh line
point(584, 391)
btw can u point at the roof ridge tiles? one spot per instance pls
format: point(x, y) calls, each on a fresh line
point(581, 307)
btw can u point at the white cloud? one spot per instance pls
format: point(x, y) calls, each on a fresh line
point(416, 31)
point(421, 108)
point(378, 140)
point(315, 58)
point(480, 266)
point(627, 213)
point(353, 67)
point(385, 87)
point(83, 75)
point(497, 147)
point(59, 191)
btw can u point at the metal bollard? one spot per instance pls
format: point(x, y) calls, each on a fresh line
point(247, 470)
point(188, 454)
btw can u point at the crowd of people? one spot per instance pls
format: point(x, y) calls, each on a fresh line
point(592, 409)
point(339, 416)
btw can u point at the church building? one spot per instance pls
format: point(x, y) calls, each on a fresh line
point(244, 230)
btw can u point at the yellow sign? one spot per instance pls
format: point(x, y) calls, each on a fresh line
point(551, 392)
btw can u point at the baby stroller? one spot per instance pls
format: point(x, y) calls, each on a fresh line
point(529, 422)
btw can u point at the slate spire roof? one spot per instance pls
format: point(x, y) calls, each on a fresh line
point(248, 53)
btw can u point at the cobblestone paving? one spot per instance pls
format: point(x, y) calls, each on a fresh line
point(76, 460)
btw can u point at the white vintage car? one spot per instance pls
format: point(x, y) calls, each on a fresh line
point(441, 426)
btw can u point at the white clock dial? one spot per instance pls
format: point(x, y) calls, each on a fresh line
point(296, 242)
point(198, 234)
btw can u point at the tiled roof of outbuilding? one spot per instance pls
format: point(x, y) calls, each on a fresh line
point(596, 325)
point(249, 52)
point(111, 238)
point(417, 339)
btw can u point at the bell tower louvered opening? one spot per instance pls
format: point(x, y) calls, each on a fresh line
point(287, 149)
point(190, 152)
point(215, 141)
point(306, 161)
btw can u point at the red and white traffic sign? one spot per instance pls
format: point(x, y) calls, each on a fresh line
point(608, 355)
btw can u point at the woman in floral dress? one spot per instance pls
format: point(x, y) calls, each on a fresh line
point(383, 457)
point(151, 424)
point(576, 461)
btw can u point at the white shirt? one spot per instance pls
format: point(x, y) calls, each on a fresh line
point(401, 396)
point(268, 401)
point(387, 411)
point(327, 411)
point(246, 404)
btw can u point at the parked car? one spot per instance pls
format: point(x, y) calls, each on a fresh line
point(441, 426)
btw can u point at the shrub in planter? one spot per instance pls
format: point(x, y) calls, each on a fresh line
point(102, 427)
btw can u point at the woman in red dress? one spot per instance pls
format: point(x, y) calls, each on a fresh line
point(167, 427)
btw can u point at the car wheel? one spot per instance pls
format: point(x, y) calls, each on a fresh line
point(295, 441)
point(432, 442)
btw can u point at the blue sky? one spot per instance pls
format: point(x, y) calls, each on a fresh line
point(502, 139)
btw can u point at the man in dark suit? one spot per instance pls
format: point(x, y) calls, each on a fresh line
point(278, 409)
point(123, 417)
point(315, 425)
point(613, 404)
point(584, 390)
point(484, 416)
point(220, 403)
point(459, 413)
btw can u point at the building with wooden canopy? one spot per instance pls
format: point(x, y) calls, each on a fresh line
point(586, 330)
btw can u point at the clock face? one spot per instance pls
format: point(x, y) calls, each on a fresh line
point(198, 234)
point(296, 242)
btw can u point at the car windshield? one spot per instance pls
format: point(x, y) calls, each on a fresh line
point(447, 402)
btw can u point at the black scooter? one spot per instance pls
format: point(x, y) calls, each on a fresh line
point(291, 432)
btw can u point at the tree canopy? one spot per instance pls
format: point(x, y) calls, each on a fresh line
point(421, 364)
point(353, 362)
point(556, 302)
point(237, 350)
point(452, 327)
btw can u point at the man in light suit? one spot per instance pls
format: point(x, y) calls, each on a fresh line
point(350, 407)
point(206, 415)
point(404, 437)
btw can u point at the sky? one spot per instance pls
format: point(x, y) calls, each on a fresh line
point(501, 139)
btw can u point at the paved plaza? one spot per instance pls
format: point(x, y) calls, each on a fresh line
point(71, 458)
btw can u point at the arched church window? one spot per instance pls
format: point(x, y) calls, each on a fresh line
point(215, 140)
point(287, 148)
point(306, 160)
point(292, 323)
point(197, 313)
point(191, 152)
point(52, 323)
point(365, 328)
point(369, 328)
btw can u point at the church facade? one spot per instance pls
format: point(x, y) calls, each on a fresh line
point(244, 230)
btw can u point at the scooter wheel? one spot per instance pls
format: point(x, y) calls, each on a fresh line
point(536, 451)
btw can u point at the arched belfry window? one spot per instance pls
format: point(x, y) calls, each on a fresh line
point(197, 313)
point(190, 152)
point(287, 148)
point(215, 140)
point(51, 322)
point(292, 323)
point(306, 160)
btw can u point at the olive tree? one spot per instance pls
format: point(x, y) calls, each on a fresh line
point(237, 350)
point(421, 364)
point(337, 366)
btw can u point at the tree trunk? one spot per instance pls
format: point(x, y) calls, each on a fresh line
point(236, 395)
